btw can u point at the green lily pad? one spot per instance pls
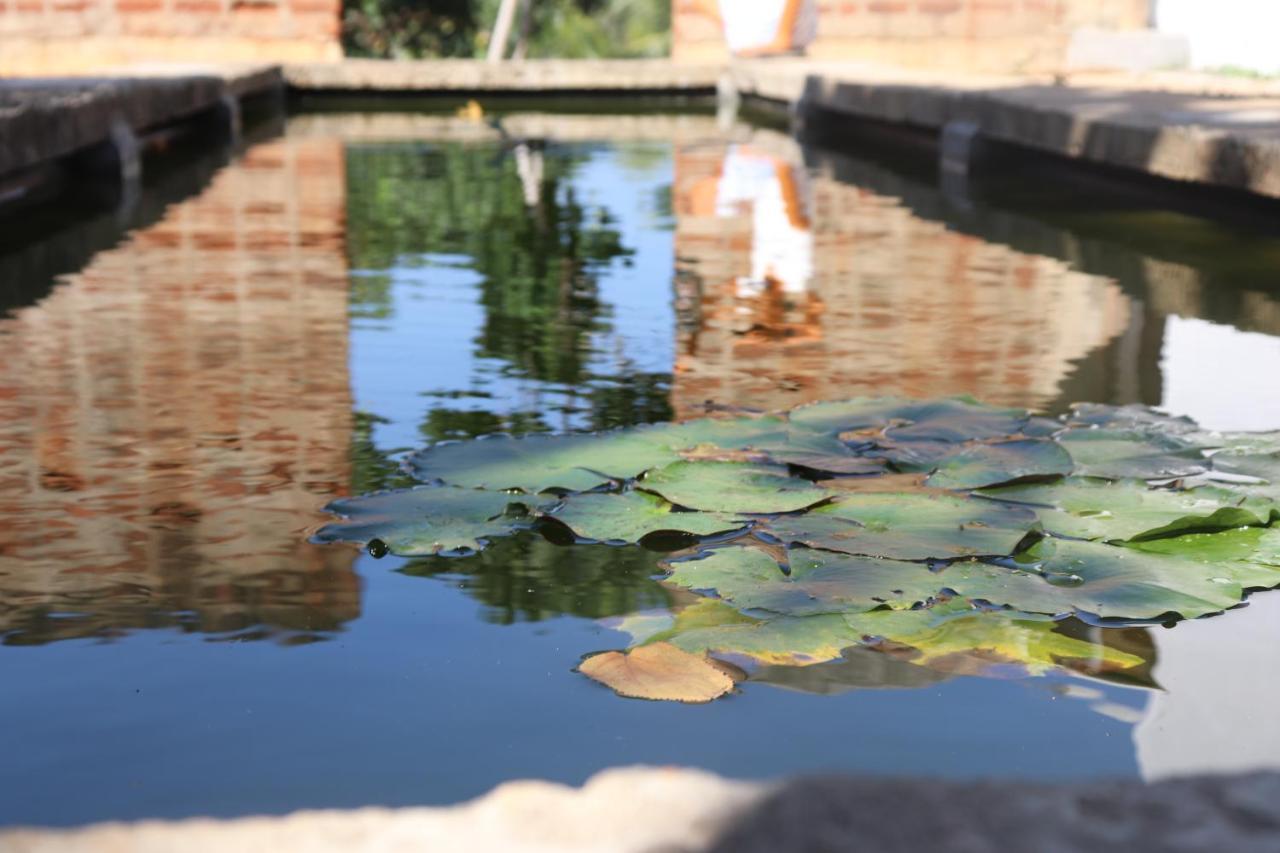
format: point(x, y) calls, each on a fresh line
point(1001, 462)
point(957, 420)
point(1129, 417)
point(1130, 510)
point(713, 627)
point(850, 415)
point(1132, 454)
point(428, 520)
point(990, 643)
point(819, 582)
point(539, 463)
point(1249, 556)
point(732, 487)
point(632, 515)
point(909, 526)
point(1066, 576)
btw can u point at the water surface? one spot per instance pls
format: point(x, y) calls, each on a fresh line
point(175, 413)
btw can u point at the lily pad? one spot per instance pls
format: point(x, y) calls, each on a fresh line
point(1132, 454)
point(819, 582)
point(1129, 510)
point(732, 487)
point(998, 644)
point(426, 520)
point(957, 420)
point(909, 526)
point(1250, 556)
point(1066, 576)
point(538, 463)
point(1002, 462)
point(713, 627)
point(658, 671)
point(630, 516)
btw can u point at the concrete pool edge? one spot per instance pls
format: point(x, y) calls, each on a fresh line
point(1193, 129)
point(680, 809)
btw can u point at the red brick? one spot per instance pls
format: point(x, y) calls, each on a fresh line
point(129, 7)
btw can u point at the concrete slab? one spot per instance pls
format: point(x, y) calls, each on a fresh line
point(536, 76)
point(642, 810)
point(1173, 132)
point(46, 119)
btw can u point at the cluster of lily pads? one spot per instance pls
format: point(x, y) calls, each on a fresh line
point(946, 532)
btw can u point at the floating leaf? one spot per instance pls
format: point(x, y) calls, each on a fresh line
point(848, 415)
point(1065, 576)
point(1129, 417)
point(859, 668)
point(732, 487)
point(713, 627)
point(1001, 462)
point(999, 644)
point(1250, 556)
point(1127, 509)
point(909, 526)
point(539, 463)
point(956, 420)
point(426, 520)
point(630, 516)
point(1132, 454)
point(658, 671)
point(819, 582)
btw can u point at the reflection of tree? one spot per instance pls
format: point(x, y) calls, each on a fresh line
point(539, 256)
point(527, 578)
point(539, 264)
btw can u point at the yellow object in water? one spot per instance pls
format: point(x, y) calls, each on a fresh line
point(472, 111)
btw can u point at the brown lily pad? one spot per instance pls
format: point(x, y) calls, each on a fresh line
point(658, 671)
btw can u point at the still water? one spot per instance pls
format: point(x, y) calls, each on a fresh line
point(178, 403)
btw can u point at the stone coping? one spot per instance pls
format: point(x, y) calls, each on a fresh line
point(643, 810)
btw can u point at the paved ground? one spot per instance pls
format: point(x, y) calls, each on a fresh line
point(646, 810)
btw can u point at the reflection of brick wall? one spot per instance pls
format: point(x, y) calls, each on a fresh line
point(897, 305)
point(45, 36)
point(172, 416)
point(978, 34)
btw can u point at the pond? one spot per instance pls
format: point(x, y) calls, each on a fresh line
point(179, 403)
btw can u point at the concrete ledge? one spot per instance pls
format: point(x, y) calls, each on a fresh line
point(1231, 142)
point(637, 809)
point(46, 119)
point(529, 76)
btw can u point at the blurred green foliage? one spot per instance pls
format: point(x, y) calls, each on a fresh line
point(564, 29)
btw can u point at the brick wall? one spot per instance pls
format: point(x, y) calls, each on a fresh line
point(52, 36)
point(173, 416)
point(973, 34)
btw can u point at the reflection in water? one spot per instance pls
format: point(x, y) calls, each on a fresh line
point(536, 253)
point(172, 415)
point(528, 578)
point(802, 287)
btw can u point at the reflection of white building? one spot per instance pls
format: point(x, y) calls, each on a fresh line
point(781, 240)
point(1218, 711)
